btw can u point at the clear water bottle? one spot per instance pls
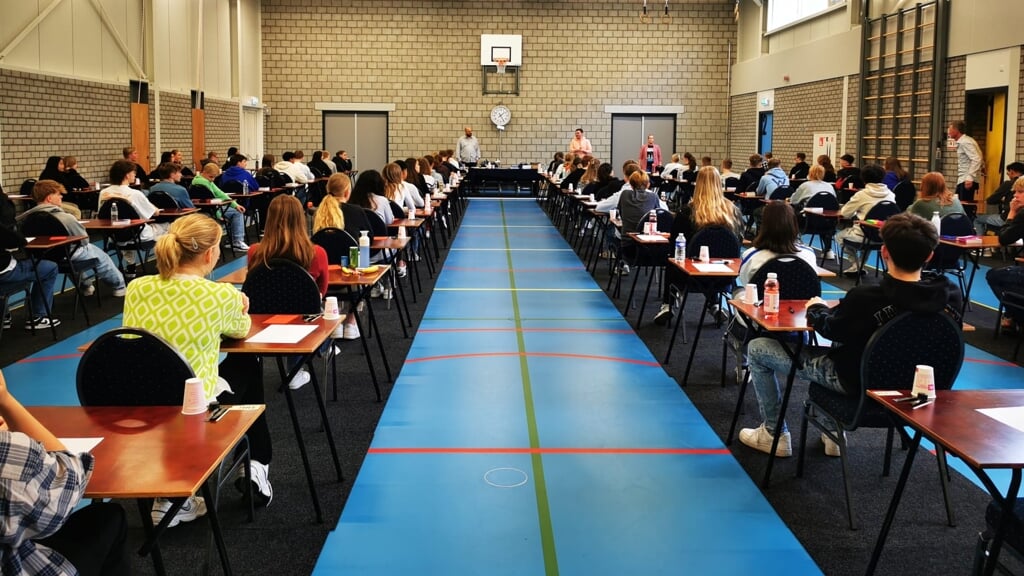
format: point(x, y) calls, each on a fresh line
point(364, 248)
point(652, 223)
point(771, 295)
point(680, 248)
point(937, 221)
point(113, 211)
point(245, 187)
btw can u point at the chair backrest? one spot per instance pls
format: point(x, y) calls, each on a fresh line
point(797, 279)
point(108, 373)
point(815, 224)
point(231, 187)
point(283, 287)
point(731, 182)
point(721, 242)
point(782, 193)
point(27, 186)
point(197, 192)
point(951, 257)
point(125, 211)
point(46, 224)
point(378, 229)
point(397, 210)
point(335, 241)
point(881, 211)
point(664, 218)
point(824, 200)
point(162, 200)
point(905, 193)
point(1013, 302)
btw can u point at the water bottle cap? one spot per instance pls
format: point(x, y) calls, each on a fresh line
point(772, 275)
point(364, 232)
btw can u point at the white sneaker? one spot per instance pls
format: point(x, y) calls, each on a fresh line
point(299, 380)
point(851, 269)
point(241, 246)
point(831, 448)
point(761, 439)
point(88, 289)
point(120, 292)
point(830, 255)
point(664, 316)
point(376, 291)
point(403, 270)
point(262, 491)
point(351, 332)
point(194, 507)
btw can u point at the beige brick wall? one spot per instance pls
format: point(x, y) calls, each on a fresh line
point(424, 58)
point(43, 116)
point(800, 112)
point(743, 130)
point(1020, 117)
point(175, 126)
point(956, 105)
point(222, 130)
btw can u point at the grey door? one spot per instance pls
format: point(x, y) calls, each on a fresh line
point(629, 133)
point(364, 135)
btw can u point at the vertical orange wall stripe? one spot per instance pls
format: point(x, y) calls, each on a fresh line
point(198, 135)
point(140, 133)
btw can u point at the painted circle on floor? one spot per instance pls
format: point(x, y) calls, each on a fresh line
point(505, 477)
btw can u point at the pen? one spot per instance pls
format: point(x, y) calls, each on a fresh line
point(916, 406)
point(217, 414)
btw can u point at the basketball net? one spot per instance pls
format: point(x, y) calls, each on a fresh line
point(501, 63)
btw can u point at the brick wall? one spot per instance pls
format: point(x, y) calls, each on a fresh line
point(800, 112)
point(578, 58)
point(1020, 116)
point(743, 130)
point(222, 130)
point(175, 126)
point(955, 107)
point(43, 116)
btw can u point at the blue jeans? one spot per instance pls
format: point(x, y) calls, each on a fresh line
point(236, 225)
point(42, 291)
point(766, 356)
point(1006, 279)
point(984, 222)
point(106, 270)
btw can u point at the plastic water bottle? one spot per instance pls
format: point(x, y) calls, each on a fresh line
point(245, 187)
point(937, 221)
point(113, 212)
point(426, 204)
point(680, 248)
point(771, 295)
point(652, 223)
point(364, 248)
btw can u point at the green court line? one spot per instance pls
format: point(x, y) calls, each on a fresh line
point(547, 537)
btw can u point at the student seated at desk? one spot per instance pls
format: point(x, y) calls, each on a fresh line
point(232, 212)
point(908, 243)
point(14, 271)
point(49, 197)
point(41, 483)
point(934, 197)
point(55, 170)
point(170, 174)
point(815, 183)
point(162, 303)
point(335, 212)
point(122, 175)
point(1010, 278)
point(368, 193)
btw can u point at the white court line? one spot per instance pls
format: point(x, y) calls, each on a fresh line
point(518, 289)
point(512, 249)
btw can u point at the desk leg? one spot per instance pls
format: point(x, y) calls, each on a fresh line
point(380, 342)
point(285, 379)
point(976, 262)
point(218, 536)
point(326, 423)
point(1005, 520)
point(915, 441)
point(150, 545)
point(696, 339)
point(679, 321)
point(782, 409)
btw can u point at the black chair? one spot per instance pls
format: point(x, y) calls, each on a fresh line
point(336, 242)
point(397, 210)
point(731, 182)
point(283, 287)
point(782, 193)
point(27, 186)
point(378, 229)
point(653, 256)
point(162, 200)
point(10, 289)
point(888, 363)
point(108, 375)
point(131, 237)
point(905, 193)
point(816, 225)
point(952, 259)
point(197, 192)
point(232, 187)
point(1013, 540)
point(872, 236)
point(1011, 302)
point(46, 224)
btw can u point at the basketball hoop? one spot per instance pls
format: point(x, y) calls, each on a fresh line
point(501, 63)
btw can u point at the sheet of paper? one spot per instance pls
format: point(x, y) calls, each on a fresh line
point(711, 267)
point(282, 334)
point(652, 238)
point(79, 445)
point(29, 238)
point(1012, 416)
point(888, 393)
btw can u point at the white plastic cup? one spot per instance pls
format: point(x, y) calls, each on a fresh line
point(401, 232)
point(705, 254)
point(331, 308)
point(96, 185)
point(924, 381)
point(750, 294)
point(613, 214)
point(194, 401)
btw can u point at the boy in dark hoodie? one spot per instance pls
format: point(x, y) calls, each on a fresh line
point(908, 243)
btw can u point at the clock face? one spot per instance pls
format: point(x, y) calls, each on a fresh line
point(500, 115)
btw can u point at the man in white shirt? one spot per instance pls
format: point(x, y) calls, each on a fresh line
point(579, 144)
point(468, 149)
point(727, 170)
point(297, 160)
point(968, 160)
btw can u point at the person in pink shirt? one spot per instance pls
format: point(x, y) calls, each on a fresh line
point(650, 155)
point(579, 144)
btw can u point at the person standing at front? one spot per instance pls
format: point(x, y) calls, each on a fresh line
point(968, 160)
point(468, 149)
point(650, 155)
point(579, 144)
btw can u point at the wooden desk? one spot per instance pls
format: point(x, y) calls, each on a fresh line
point(108, 225)
point(662, 238)
point(153, 451)
point(174, 213)
point(304, 349)
point(983, 443)
point(336, 277)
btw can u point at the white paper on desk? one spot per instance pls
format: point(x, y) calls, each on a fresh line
point(79, 445)
point(652, 238)
point(29, 239)
point(282, 334)
point(711, 267)
point(1012, 416)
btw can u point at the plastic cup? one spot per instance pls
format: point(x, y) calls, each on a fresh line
point(750, 294)
point(331, 308)
point(613, 214)
point(924, 381)
point(194, 401)
point(401, 232)
point(705, 254)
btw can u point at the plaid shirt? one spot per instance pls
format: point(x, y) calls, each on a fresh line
point(38, 491)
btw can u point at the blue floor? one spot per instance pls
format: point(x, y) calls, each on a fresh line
point(532, 432)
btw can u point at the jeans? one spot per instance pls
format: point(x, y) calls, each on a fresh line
point(42, 291)
point(1006, 279)
point(766, 356)
point(984, 222)
point(106, 270)
point(236, 225)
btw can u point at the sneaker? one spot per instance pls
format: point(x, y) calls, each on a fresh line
point(88, 289)
point(851, 269)
point(376, 291)
point(830, 255)
point(831, 448)
point(403, 270)
point(385, 293)
point(761, 439)
point(42, 323)
point(415, 257)
point(624, 269)
point(299, 380)
point(351, 332)
point(241, 246)
point(664, 316)
point(120, 292)
point(194, 507)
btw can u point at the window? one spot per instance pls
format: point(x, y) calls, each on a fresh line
point(782, 13)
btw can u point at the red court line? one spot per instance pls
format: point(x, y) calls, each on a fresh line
point(456, 450)
point(48, 358)
point(516, 270)
point(992, 362)
point(528, 355)
point(496, 329)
